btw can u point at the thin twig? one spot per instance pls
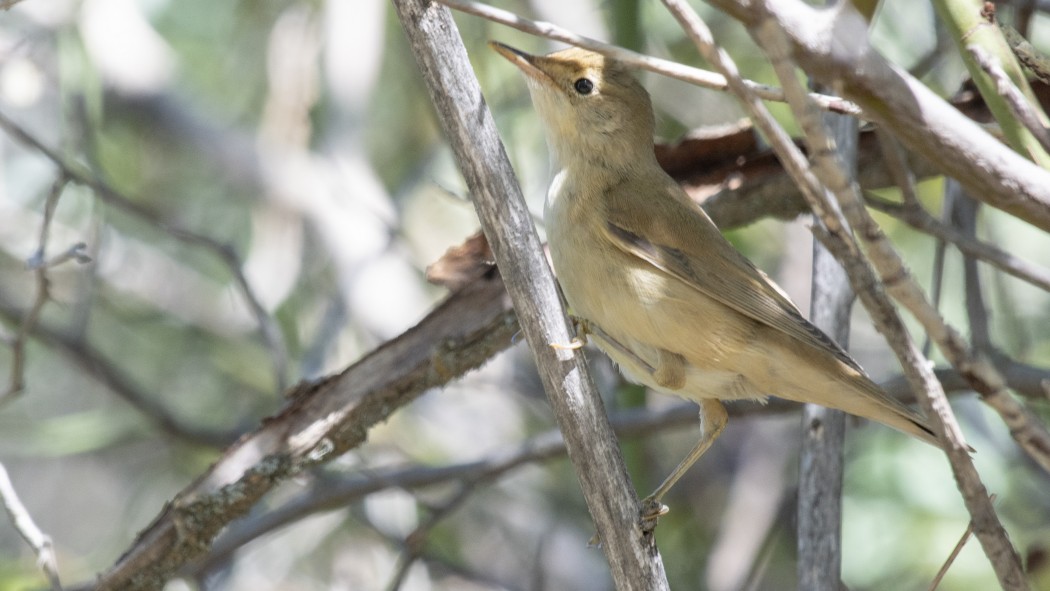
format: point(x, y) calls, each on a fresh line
point(27, 528)
point(920, 219)
point(416, 540)
point(39, 265)
point(94, 364)
point(948, 562)
point(902, 176)
point(964, 218)
point(702, 78)
point(73, 172)
point(1024, 111)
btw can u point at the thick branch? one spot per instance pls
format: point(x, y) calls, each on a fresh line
point(322, 422)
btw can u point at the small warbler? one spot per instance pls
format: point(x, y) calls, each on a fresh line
point(654, 283)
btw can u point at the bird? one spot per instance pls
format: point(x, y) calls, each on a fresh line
point(649, 278)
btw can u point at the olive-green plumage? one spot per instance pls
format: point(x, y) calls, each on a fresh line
point(653, 281)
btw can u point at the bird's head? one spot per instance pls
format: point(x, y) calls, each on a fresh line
point(591, 106)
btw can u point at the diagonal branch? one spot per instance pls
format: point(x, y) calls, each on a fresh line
point(321, 422)
point(629, 547)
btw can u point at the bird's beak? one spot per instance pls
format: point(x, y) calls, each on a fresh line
point(526, 62)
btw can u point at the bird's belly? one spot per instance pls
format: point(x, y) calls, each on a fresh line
point(701, 382)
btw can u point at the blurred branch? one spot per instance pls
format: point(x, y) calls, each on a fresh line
point(94, 364)
point(75, 173)
point(1028, 55)
point(628, 543)
point(963, 212)
point(321, 422)
point(917, 217)
point(1020, 107)
point(39, 264)
point(905, 181)
point(415, 542)
point(27, 528)
point(702, 78)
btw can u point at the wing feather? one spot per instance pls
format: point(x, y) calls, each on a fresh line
point(724, 275)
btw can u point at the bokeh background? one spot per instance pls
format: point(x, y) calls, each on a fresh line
point(294, 141)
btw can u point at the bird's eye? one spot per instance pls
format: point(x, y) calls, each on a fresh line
point(583, 86)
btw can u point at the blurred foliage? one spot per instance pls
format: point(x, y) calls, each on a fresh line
point(325, 173)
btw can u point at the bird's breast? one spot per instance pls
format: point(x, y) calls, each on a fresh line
point(602, 283)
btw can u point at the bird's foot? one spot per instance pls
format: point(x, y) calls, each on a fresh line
point(577, 342)
point(595, 541)
point(651, 511)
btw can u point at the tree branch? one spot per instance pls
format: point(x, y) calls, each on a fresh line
point(921, 120)
point(321, 422)
point(593, 449)
point(74, 173)
point(28, 529)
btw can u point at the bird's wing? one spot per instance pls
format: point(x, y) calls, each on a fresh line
point(691, 249)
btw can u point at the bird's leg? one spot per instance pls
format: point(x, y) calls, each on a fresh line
point(713, 419)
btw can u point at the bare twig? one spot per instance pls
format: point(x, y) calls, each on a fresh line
point(39, 264)
point(27, 528)
point(964, 218)
point(1022, 109)
point(1028, 55)
point(667, 68)
point(902, 176)
point(416, 540)
point(74, 173)
point(920, 219)
point(948, 562)
point(93, 363)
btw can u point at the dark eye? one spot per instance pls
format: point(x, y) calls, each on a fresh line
point(583, 86)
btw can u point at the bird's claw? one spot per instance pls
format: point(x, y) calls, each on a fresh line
point(579, 340)
point(651, 511)
point(595, 541)
point(575, 343)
